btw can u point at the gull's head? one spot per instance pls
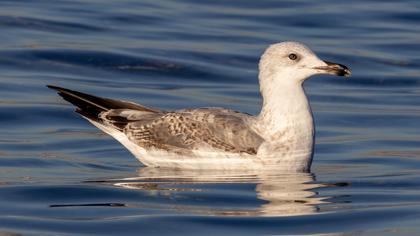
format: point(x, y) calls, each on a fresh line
point(293, 63)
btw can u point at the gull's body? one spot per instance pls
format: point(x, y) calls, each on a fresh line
point(280, 137)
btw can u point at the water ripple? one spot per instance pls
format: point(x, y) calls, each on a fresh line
point(59, 175)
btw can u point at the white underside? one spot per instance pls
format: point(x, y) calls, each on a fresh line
point(296, 161)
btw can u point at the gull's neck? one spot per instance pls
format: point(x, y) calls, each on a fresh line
point(285, 110)
point(286, 124)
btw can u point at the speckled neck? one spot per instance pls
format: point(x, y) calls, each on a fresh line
point(285, 106)
point(286, 123)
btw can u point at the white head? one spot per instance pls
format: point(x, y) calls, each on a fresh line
point(291, 63)
point(286, 118)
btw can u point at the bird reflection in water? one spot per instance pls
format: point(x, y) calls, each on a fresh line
point(281, 194)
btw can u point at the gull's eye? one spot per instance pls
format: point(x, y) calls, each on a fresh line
point(293, 56)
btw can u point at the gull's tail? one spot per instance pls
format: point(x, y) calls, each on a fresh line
point(91, 106)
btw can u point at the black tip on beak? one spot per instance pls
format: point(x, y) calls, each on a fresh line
point(335, 69)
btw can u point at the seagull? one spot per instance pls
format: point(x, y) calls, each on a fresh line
point(280, 137)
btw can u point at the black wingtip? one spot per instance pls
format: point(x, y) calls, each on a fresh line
point(87, 102)
point(57, 88)
point(53, 87)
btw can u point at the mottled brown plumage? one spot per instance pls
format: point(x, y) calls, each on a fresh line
point(181, 131)
point(186, 130)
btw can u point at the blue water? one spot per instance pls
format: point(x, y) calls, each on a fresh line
point(59, 175)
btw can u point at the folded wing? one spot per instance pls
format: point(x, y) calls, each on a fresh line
point(180, 131)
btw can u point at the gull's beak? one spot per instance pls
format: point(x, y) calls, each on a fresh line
point(334, 69)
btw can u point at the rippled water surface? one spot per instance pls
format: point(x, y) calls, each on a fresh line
point(61, 176)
